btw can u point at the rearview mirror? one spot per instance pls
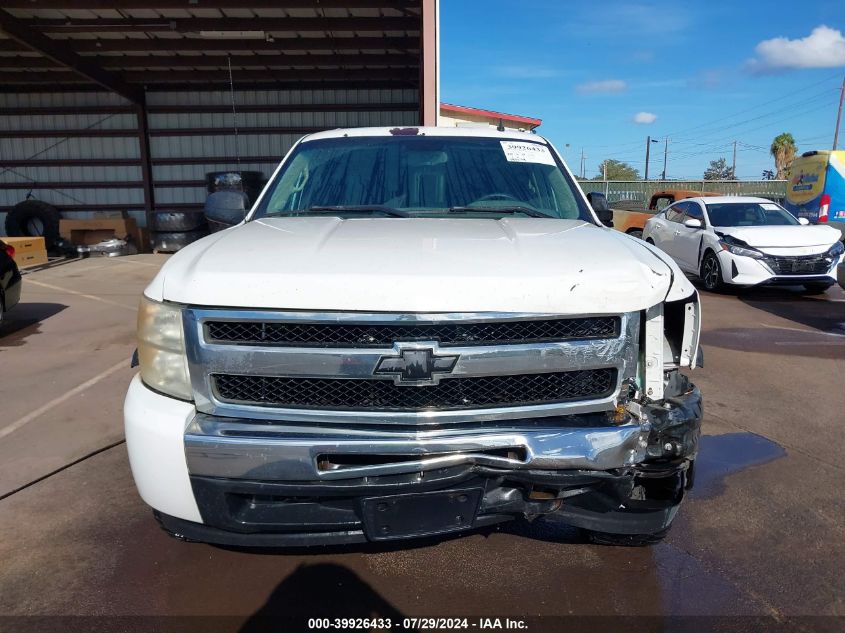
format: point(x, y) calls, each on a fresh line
point(225, 208)
point(692, 223)
point(599, 203)
point(803, 221)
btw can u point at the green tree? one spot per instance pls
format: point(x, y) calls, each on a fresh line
point(768, 174)
point(617, 170)
point(719, 170)
point(783, 151)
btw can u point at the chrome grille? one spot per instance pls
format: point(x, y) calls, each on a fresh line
point(381, 335)
point(324, 367)
point(804, 265)
point(384, 395)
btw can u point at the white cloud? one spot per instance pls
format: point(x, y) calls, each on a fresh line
point(607, 85)
point(645, 117)
point(823, 48)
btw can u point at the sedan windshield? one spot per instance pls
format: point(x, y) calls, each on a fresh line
point(749, 214)
point(411, 176)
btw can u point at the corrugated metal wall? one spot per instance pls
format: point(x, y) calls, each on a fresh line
point(222, 149)
point(181, 152)
point(18, 180)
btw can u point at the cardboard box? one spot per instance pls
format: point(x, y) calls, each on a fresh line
point(87, 237)
point(87, 232)
point(117, 227)
point(32, 258)
point(25, 244)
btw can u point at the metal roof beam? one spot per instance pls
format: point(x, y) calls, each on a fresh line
point(220, 61)
point(210, 4)
point(312, 78)
point(196, 44)
point(35, 41)
point(189, 25)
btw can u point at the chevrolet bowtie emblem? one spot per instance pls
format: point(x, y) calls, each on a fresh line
point(416, 364)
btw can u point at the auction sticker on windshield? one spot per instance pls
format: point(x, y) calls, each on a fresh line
point(518, 152)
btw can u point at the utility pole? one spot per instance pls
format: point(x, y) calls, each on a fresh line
point(648, 143)
point(665, 157)
point(583, 164)
point(733, 165)
point(604, 168)
point(839, 114)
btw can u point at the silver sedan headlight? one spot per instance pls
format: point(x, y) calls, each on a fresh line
point(161, 349)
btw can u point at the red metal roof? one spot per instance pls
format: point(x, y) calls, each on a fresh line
point(515, 118)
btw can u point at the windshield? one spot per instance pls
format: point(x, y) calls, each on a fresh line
point(423, 176)
point(749, 214)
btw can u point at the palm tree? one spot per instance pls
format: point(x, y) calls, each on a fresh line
point(783, 150)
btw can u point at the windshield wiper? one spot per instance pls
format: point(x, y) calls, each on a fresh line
point(504, 210)
point(360, 208)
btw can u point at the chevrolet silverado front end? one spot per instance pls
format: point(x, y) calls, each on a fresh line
point(415, 333)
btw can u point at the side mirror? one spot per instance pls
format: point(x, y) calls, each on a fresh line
point(803, 221)
point(225, 208)
point(599, 203)
point(692, 223)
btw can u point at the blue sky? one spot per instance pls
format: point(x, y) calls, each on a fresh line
point(704, 73)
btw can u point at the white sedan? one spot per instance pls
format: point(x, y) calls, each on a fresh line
point(746, 242)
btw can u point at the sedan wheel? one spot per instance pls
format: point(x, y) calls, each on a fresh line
point(711, 273)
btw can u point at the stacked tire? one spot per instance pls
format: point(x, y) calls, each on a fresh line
point(171, 231)
point(250, 182)
point(34, 218)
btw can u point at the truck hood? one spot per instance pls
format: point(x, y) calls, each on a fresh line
point(782, 236)
point(421, 265)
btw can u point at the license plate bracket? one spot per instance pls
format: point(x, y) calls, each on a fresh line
point(420, 514)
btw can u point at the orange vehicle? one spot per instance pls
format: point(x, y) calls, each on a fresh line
point(632, 222)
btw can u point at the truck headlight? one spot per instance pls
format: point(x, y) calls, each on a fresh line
point(161, 349)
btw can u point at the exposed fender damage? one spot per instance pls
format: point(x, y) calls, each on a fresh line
point(675, 424)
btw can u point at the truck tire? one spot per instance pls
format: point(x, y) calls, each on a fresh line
point(172, 241)
point(169, 221)
point(625, 540)
point(638, 233)
point(34, 218)
point(251, 182)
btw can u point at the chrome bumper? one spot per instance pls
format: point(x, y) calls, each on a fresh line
point(244, 449)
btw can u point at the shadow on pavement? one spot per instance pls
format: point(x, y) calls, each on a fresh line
point(23, 316)
point(817, 311)
point(325, 590)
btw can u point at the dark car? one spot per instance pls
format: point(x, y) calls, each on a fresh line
point(10, 280)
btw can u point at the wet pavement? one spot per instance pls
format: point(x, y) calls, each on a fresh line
point(761, 534)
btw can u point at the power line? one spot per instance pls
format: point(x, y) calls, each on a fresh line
point(802, 100)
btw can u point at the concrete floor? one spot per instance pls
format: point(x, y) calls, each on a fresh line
point(761, 535)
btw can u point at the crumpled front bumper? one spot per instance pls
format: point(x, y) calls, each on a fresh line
point(263, 484)
point(266, 484)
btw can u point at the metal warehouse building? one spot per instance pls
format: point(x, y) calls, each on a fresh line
point(124, 105)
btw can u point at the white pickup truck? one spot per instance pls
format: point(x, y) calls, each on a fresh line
point(415, 331)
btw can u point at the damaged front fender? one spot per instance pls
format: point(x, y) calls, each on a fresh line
point(675, 423)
